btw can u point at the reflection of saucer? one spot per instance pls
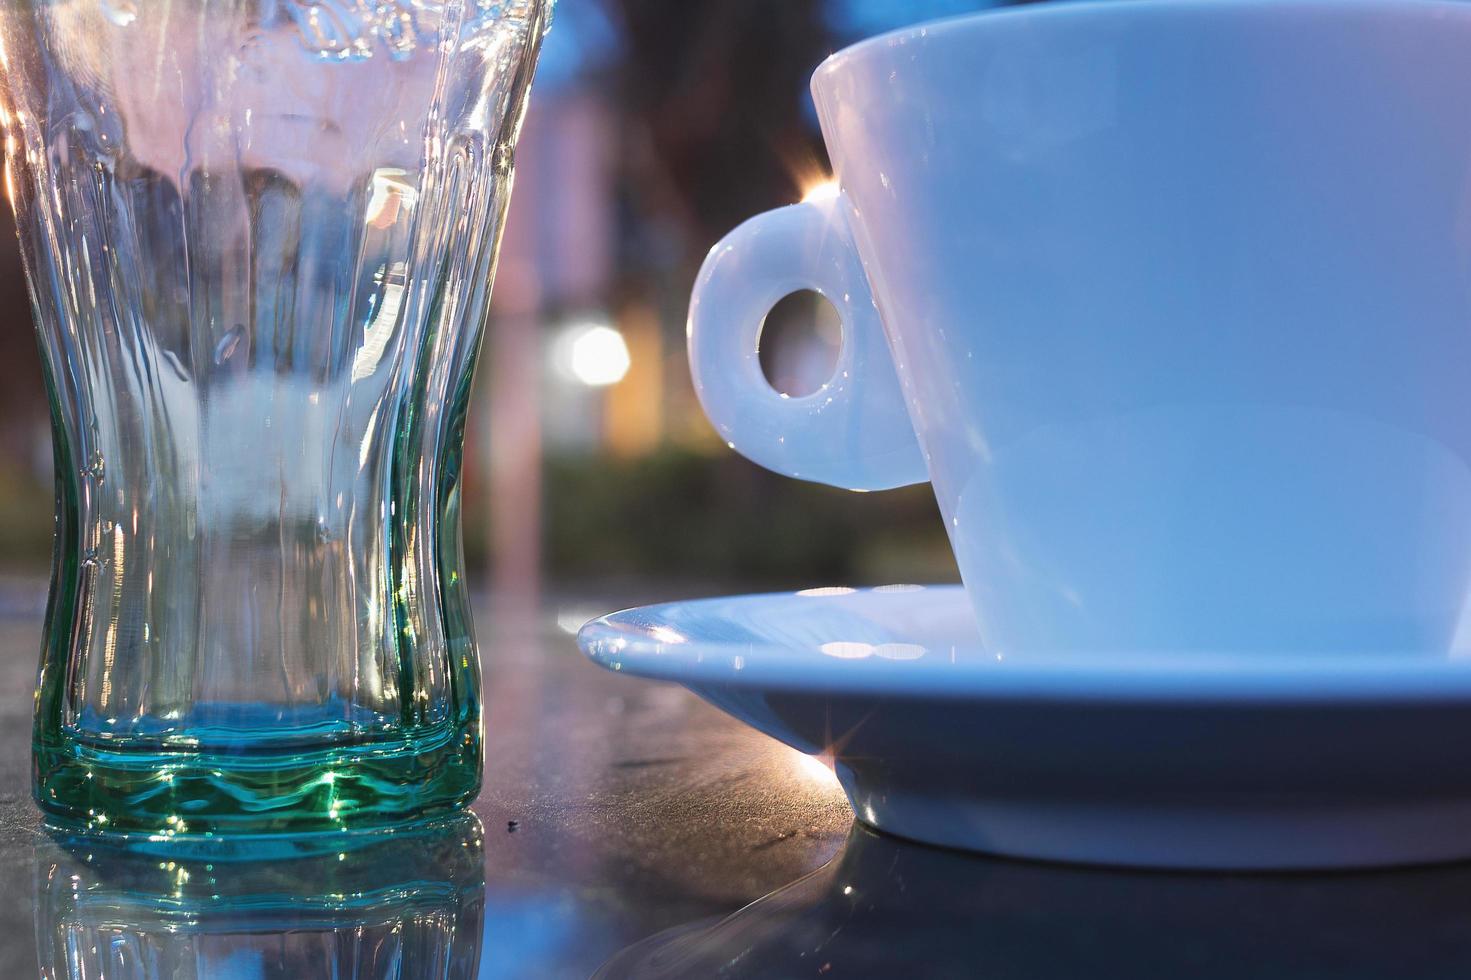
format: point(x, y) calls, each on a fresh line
point(887, 908)
point(1220, 761)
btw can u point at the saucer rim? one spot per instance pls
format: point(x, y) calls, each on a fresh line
point(621, 642)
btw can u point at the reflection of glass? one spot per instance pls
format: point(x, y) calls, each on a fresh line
point(402, 908)
point(260, 236)
point(889, 908)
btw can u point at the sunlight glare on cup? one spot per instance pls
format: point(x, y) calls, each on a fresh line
point(824, 190)
point(848, 649)
point(816, 769)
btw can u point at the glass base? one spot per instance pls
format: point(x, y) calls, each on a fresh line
point(173, 796)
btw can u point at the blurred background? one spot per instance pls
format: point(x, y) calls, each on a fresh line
point(655, 127)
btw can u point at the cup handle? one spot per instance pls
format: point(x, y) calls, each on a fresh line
point(854, 432)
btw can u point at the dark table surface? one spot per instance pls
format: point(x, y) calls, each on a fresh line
point(655, 837)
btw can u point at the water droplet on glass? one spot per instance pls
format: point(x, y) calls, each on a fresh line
point(96, 468)
point(228, 343)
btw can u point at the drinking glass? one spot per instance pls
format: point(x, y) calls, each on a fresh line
point(259, 237)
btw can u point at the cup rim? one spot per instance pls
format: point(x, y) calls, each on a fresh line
point(945, 26)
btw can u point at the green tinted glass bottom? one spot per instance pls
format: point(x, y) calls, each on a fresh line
point(169, 795)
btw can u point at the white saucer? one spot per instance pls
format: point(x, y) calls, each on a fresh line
point(1251, 761)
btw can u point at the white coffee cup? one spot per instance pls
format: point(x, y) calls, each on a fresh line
point(1179, 297)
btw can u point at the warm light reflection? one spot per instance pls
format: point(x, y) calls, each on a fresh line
point(665, 634)
point(822, 593)
point(824, 190)
point(815, 769)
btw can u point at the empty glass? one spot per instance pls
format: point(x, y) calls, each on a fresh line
point(260, 236)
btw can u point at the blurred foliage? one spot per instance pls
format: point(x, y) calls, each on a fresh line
point(26, 520)
point(686, 514)
point(678, 514)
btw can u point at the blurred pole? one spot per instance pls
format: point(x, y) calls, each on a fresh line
point(512, 398)
point(556, 257)
point(514, 457)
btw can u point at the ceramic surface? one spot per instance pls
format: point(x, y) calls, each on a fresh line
point(1168, 299)
point(1226, 761)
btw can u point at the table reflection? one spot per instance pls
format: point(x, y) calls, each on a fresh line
point(405, 906)
point(885, 907)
